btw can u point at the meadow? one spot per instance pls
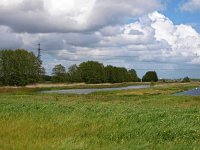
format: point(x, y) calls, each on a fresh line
point(134, 119)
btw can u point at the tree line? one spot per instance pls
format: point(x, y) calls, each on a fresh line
point(20, 67)
point(95, 72)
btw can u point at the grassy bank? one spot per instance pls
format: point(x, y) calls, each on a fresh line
point(135, 119)
point(45, 87)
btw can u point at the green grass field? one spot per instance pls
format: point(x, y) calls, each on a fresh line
point(135, 119)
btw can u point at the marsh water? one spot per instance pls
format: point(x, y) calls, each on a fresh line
point(193, 92)
point(88, 91)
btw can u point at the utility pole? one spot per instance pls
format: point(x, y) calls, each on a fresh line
point(39, 51)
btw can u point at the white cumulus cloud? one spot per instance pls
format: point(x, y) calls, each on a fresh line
point(182, 39)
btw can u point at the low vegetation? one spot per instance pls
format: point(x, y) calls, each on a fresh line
point(134, 119)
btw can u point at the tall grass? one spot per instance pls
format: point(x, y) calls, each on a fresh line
point(135, 119)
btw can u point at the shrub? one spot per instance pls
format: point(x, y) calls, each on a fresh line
point(150, 76)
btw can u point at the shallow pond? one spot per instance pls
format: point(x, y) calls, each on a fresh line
point(88, 91)
point(193, 92)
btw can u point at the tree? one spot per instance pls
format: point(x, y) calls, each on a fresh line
point(122, 75)
point(118, 75)
point(111, 76)
point(19, 67)
point(150, 76)
point(133, 75)
point(59, 73)
point(47, 78)
point(74, 74)
point(185, 80)
point(92, 72)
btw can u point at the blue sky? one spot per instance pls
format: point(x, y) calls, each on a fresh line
point(181, 17)
point(158, 35)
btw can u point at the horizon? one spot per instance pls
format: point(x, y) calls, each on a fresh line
point(154, 35)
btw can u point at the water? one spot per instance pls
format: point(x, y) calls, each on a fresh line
point(88, 91)
point(194, 92)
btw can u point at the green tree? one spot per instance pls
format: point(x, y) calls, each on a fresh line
point(118, 75)
point(59, 73)
point(133, 75)
point(150, 76)
point(47, 78)
point(19, 67)
point(122, 75)
point(74, 74)
point(111, 76)
point(185, 80)
point(92, 72)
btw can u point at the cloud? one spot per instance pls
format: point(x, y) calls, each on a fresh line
point(191, 5)
point(153, 38)
point(182, 39)
point(129, 34)
point(45, 16)
point(8, 39)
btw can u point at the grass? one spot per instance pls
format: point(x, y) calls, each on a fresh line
point(46, 87)
point(135, 119)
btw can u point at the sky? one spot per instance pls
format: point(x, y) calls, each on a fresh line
point(153, 35)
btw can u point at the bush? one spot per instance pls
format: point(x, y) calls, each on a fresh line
point(185, 80)
point(150, 76)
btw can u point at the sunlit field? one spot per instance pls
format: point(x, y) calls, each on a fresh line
point(135, 119)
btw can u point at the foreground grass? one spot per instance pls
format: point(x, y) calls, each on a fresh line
point(135, 119)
